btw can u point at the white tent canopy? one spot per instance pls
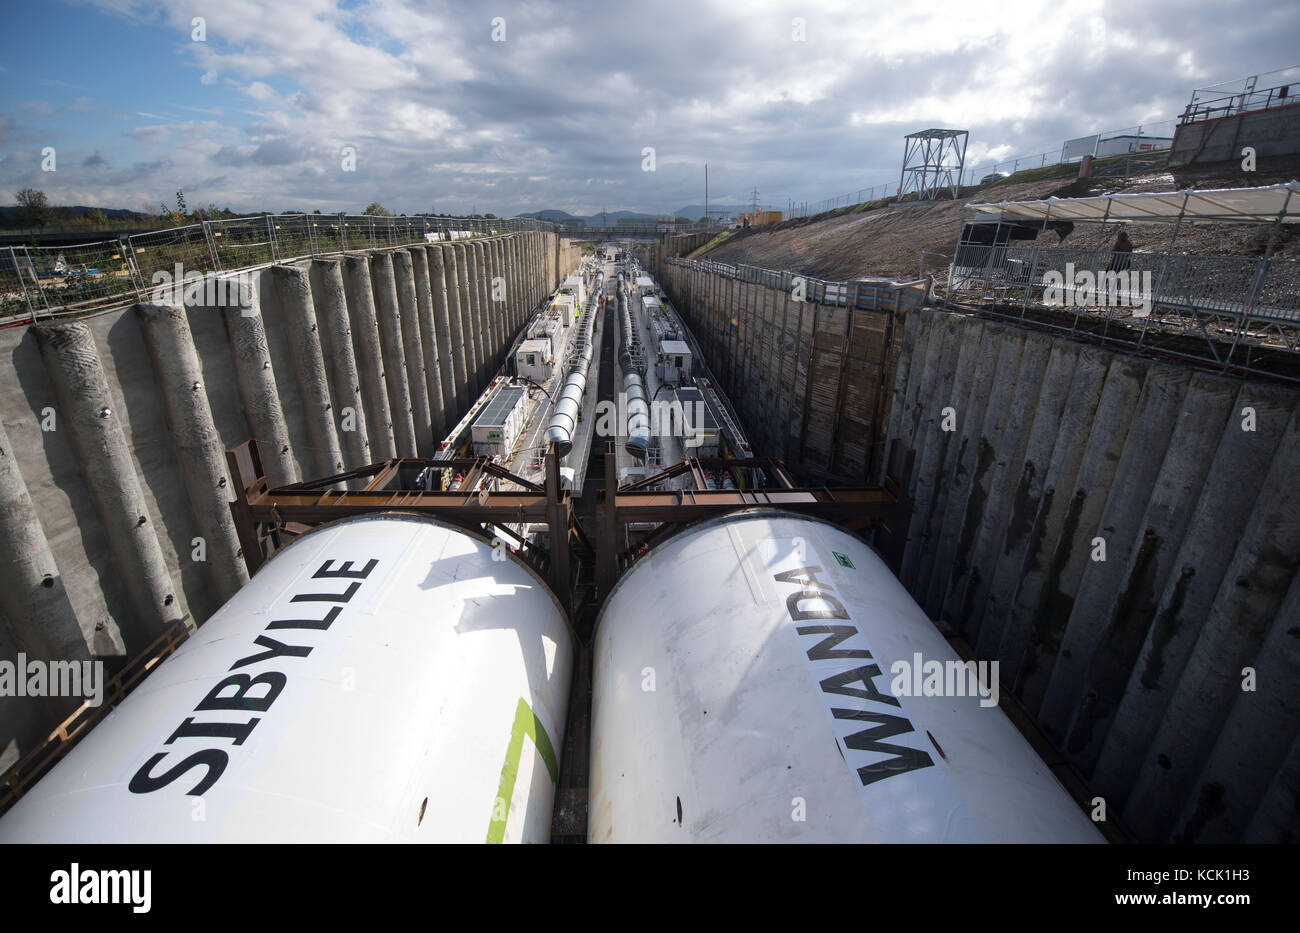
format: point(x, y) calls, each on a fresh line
point(1275, 203)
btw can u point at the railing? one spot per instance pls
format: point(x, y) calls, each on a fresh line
point(1265, 290)
point(1239, 314)
point(44, 281)
point(631, 229)
point(32, 767)
point(1234, 104)
point(863, 196)
point(863, 296)
point(1281, 88)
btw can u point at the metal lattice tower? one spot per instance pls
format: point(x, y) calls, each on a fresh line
point(932, 161)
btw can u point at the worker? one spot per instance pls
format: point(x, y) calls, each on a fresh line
point(1121, 253)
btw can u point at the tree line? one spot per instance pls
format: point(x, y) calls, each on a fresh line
point(36, 212)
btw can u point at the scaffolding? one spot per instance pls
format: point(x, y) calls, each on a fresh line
point(933, 161)
point(1237, 313)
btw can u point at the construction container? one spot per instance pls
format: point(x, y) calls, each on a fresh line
point(674, 362)
point(498, 425)
point(535, 360)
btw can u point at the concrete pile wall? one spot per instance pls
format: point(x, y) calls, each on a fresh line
point(1122, 536)
point(114, 517)
point(676, 245)
point(808, 380)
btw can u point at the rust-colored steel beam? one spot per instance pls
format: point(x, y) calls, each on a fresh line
point(263, 515)
point(693, 504)
point(854, 508)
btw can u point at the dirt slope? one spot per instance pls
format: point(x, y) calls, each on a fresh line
point(888, 240)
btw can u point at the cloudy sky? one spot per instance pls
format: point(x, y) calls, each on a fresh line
point(512, 107)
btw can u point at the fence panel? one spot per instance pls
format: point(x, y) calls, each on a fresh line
point(294, 235)
point(16, 298)
point(242, 241)
point(1278, 295)
point(88, 276)
point(79, 277)
point(178, 250)
point(1214, 284)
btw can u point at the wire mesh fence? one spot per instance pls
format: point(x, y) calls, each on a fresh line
point(1259, 288)
point(242, 241)
point(295, 235)
point(13, 290)
point(83, 276)
point(37, 281)
point(864, 294)
point(1234, 312)
point(176, 250)
point(1280, 88)
point(1238, 314)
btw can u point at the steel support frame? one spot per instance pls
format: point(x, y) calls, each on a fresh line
point(265, 517)
point(885, 507)
point(925, 169)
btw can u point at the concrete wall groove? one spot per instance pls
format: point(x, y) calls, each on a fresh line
point(335, 332)
point(293, 289)
point(434, 407)
point(255, 380)
point(370, 362)
point(446, 318)
point(33, 599)
point(388, 316)
point(462, 357)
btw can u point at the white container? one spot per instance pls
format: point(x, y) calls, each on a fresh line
point(675, 360)
point(498, 425)
point(713, 718)
point(535, 360)
point(443, 670)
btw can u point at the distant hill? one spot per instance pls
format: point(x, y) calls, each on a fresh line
point(553, 216)
point(611, 217)
point(615, 216)
point(11, 216)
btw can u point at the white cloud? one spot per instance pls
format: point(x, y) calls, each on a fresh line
point(259, 91)
point(559, 113)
